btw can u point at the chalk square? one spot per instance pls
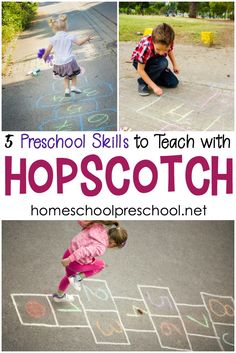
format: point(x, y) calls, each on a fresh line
point(133, 314)
point(204, 344)
point(107, 328)
point(69, 314)
point(226, 336)
point(53, 100)
point(196, 320)
point(197, 96)
point(171, 332)
point(220, 308)
point(180, 112)
point(101, 120)
point(158, 301)
point(95, 295)
point(144, 341)
point(62, 123)
point(34, 309)
point(76, 108)
point(162, 108)
point(102, 90)
point(57, 100)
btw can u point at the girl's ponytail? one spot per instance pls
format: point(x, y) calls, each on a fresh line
point(62, 18)
point(118, 234)
point(115, 232)
point(58, 24)
point(51, 21)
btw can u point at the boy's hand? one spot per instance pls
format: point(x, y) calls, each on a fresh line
point(158, 91)
point(65, 262)
point(176, 69)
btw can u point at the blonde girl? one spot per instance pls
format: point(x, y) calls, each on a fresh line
point(65, 64)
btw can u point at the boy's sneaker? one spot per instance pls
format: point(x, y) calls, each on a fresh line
point(143, 89)
point(75, 90)
point(65, 298)
point(67, 92)
point(75, 282)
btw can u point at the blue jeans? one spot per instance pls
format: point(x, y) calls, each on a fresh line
point(157, 69)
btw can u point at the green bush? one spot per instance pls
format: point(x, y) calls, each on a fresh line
point(124, 10)
point(16, 16)
point(163, 10)
point(152, 10)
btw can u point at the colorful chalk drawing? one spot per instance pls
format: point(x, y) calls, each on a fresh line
point(110, 318)
point(90, 110)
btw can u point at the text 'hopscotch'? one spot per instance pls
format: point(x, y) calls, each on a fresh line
point(110, 318)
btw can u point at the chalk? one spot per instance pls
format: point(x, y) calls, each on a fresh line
point(33, 72)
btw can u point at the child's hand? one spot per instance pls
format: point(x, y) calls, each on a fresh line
point(176, 69)
point(158, 91)
point(65, 262)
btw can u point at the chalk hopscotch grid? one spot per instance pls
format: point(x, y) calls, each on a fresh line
point(151, 315)
point(215, 95)
point(197, 306)
point(125, 330)
point(92, 96)
point(116, 311)
point(216, 296)
point(209, 313)
point(180, 319)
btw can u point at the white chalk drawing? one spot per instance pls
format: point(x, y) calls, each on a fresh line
point(110, 318)
point(185, 108)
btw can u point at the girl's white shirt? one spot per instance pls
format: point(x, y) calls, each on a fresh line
point(62, 44)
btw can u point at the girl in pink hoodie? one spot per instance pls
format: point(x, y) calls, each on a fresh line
point(80, 259)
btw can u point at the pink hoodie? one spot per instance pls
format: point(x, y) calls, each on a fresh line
point(89, 243)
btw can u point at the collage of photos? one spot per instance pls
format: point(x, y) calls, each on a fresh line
point(117, 285)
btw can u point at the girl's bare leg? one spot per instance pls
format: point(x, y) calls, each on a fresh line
point(66, 83)
point(67, 87)
point(73, 81)
point(73, 85)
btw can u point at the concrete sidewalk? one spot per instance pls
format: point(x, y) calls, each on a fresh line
point(38, 103)
point(203, 100)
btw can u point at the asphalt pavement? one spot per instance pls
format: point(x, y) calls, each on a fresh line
point(171, 287)
point(37, 102)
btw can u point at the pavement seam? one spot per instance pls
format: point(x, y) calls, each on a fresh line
point(100, 29)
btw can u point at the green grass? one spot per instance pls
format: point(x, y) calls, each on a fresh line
point(187, 30)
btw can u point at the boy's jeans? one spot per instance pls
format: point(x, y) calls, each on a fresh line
point(157, 69)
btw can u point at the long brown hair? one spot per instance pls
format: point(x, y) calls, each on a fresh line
point(115, 232)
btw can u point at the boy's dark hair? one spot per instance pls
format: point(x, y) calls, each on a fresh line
point(163, 34)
